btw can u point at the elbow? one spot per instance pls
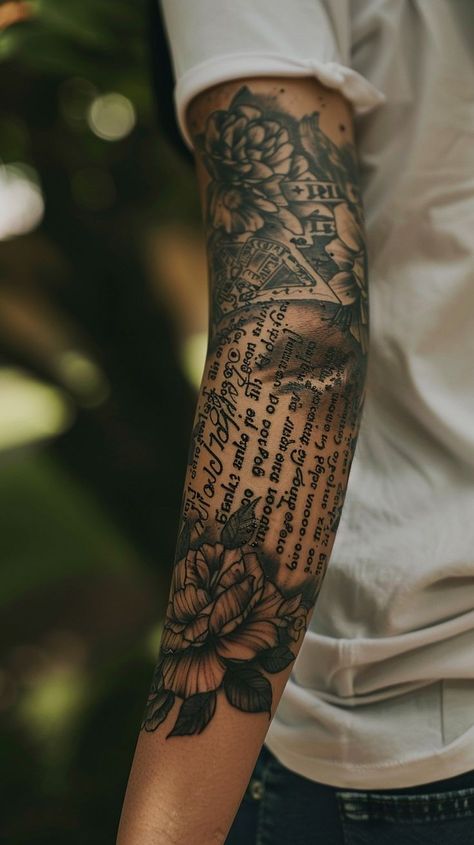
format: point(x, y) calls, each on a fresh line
point(302, 348)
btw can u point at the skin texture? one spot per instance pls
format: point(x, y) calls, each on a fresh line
point(274, 435)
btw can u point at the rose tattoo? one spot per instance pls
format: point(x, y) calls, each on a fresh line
point(226, 621)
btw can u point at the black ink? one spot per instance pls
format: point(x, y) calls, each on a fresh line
point(278, 413)
point(196, 712)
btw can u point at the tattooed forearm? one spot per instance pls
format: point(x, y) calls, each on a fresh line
point(278, 412)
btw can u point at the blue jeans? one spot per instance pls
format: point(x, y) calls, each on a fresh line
point(283, 808)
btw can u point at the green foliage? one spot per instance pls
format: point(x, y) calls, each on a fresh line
point(88, 525)
point(42, 508)
point(102, 41)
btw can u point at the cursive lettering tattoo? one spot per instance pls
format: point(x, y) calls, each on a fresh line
point(278, 412)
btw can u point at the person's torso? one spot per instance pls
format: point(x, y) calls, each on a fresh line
point(395, 615)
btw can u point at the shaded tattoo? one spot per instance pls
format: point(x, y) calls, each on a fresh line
point(226, 621)
point(278, 413)
point(283, 212)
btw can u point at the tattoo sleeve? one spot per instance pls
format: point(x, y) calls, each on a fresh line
point(278, 410)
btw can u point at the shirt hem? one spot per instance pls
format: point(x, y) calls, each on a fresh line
point(452, 761)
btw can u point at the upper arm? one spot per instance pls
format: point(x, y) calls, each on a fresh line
point(278, 174)
point(217, 41)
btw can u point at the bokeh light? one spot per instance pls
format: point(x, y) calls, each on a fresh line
point(83, 377)
point(21, 200)
point(193, 356)
point(95, 411)
point(30, 410)
point(111, 116)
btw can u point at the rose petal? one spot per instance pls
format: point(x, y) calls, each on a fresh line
point(290, 221)
point(294, 634)
point(345, 288)
point(269, 606)
point(179, 575)
point(347, 227)
point(248, 640)
point(256, 134)
point(254, 154)
point(197, 670)
point(282, 136)
point(189, 602)
point(235, 566)
point(299, 166)
point(172, 624)
point(281, 153)
point(239, 146)
point(245, 221)
point(282, 167)
point(280, 162)
point(272, 128)
point(196, 632)
point(358, 268)
point(290, 605)
point(232, 570)
point(250, 112)
point(197, 572)
point(212, 556)
point(272, 189)
point(253, 567)
point(231, 606)
point(233, 129)
point(172, 641)
point(213, 130)
point(260, 170)
point(340, 253)
point(265, 205)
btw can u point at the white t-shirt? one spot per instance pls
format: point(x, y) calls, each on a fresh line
point(382, 693)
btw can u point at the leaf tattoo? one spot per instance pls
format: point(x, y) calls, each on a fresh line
point(196, 712)
point(247, 689)
point(240, 527)
point(184, 540)
point(158, 706)
point(276, 659)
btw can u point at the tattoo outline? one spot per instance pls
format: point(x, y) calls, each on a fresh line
point(285, 248)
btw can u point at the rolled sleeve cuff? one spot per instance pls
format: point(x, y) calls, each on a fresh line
point(352, 85)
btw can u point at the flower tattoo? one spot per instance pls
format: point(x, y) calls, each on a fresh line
point(248, 157)
point(226, 622)
point(348, 253)
point(240, 145)
point(278, 411)
point(287, 184)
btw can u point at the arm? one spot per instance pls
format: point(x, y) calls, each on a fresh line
point(274, 435)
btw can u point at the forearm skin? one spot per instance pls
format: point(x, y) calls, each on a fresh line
point(273, 440)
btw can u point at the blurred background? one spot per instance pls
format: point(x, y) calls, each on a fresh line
point(102, 339)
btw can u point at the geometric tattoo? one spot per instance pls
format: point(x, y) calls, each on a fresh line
point(278, 412)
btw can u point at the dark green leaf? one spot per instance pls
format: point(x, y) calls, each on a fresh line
point(276, 659)
point(240, 527)
point(196, 712)
point(247, 689)
point(158, 706)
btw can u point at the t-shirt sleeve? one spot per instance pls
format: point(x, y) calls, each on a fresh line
point(214, 41)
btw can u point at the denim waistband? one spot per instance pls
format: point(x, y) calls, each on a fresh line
point(435, 806)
